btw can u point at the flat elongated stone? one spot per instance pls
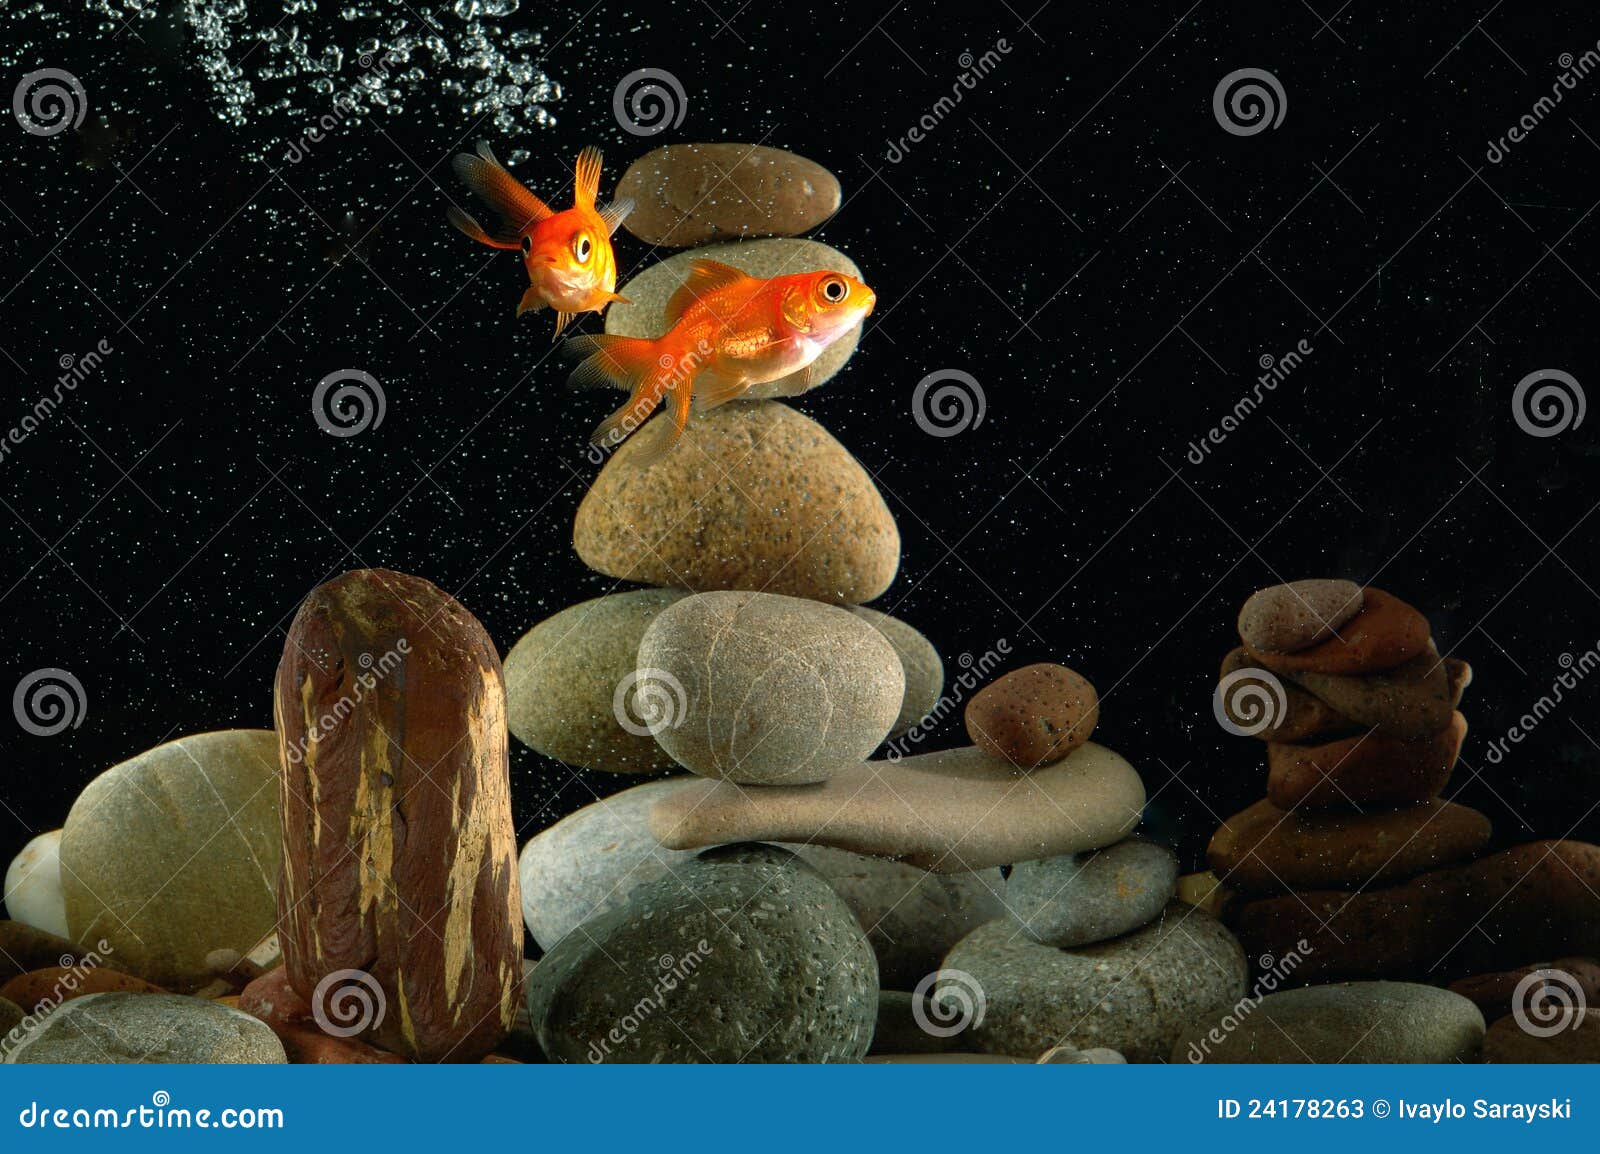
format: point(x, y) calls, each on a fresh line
point(951, 811)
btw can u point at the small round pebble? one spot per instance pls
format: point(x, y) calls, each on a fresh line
point(1033, 716)
point(33, 885)
point(1297, 615)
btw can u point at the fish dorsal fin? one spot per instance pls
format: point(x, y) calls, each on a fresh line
point(615, 213)
point(487, 177)
point(586, 183)
point(705, 277)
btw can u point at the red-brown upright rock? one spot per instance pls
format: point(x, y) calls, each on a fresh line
point(399, 904)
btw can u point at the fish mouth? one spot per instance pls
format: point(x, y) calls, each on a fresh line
point(872, 303)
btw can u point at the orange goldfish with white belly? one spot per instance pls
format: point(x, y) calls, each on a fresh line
point(729, 331)
point(568, 255)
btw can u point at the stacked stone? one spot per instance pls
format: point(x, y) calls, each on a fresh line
point(799, 893)
point(1354, 866)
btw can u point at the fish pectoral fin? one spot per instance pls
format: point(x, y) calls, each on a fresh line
point(487, 177)
point(563, 319)
point(705, 277)
point(615, 213)
point(712, 389)
point(586, 177)
point(531, 302)
point(805, 379)
point(469, 225)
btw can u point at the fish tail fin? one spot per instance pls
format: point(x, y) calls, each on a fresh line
point(586, 182)
point(633, 363)
point(666, 432)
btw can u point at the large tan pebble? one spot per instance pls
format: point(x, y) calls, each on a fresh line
point(764, 499)
point(688, 194)
point(918, 658)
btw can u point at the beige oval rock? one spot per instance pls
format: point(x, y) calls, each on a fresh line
point(648, 293)
point(174, 853)
point(765, 499)
point(688, 194)
point(1298, 614)
point(768, 690)
point(33, 885)
point(952, 811)
point(918, 658)
point(569, 684)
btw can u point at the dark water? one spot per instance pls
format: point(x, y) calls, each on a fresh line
point(1080, 234)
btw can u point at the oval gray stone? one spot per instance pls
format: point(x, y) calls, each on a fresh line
point(594, 860)
point(1135, 994)
point(175, 853)
point(568, 684)
point(1297, 615)
point(743, 955)
point(1349, 1022)
point(768, 690)
point(148, 1029)
point(1079, 899)
point(919, 660)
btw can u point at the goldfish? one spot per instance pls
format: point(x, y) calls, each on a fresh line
point(571, 266)
point(728, 331)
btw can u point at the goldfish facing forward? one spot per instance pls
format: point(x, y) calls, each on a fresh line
point(568, 254)
point(729, 331)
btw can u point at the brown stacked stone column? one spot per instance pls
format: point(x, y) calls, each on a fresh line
point(399, 905)
point(1353, 863)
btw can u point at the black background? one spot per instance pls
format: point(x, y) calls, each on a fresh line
point(1080, 235)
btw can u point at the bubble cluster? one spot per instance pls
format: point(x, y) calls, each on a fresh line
point(263, 65)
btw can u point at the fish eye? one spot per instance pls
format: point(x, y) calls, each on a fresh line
point(834, 290)
point(582, 247)
point(527, 245)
